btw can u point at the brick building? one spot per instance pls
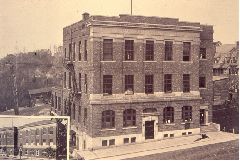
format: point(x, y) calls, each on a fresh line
point(33, 139)
point(130, 79)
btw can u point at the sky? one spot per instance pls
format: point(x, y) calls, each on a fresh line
point(27, 25)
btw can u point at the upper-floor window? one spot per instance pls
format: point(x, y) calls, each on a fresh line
point(186, 51)
point(107, 49)
point(85, 83)
point(44, 131)
point(187, 113)
point(167, 83)
point(186, 82)
point(129, 49)
point(129, 117)
point(168, 50)
point(50, 130)
point(203, 53)
point(74, 51)
point(70, 80)
point(79, 81)
point(70, 52)
point(65, 80)
point(107, 84)
point(149, 82)
point(149, 52)
point(85, 50)
point(129, 83)
point(79, 51)
point(85, 116)
point(202, 82)
point(108, 119)
point(168, 115)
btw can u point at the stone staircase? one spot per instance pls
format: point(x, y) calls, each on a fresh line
point(211, 127)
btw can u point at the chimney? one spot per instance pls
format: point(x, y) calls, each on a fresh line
point(85, 16)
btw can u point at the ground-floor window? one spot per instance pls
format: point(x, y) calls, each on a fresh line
point(168, 115)
point(108, 119)
point(129, 117)
point(187, 113)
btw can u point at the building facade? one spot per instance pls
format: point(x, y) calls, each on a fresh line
point(40, 139)
point(130, 79)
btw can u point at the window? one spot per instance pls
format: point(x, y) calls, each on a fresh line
point(79, 51)
point(167, 83)
point(129, 117)
point(108, 119)
point(149, 52)
point(37, 152)
point(184, 133)
point(107, 84)
point(202, 82)
point(189, 133)
point(65, 53)
point(107, 49)
point(203, 53)
point(165, 135)
point(70, 52)
point(129, 83)
point(85, 116)
point(79, 113)
point(85, 50)
point(44, 131)
point(51, 141)
point(186, 83)
point(37, 132)
point(74, 51)
point(168, 115)
point(44, 140)
point(70, 80)
point(129, 50)
point(73, 113)
point(65, 80)
point(126, 140)
point(133, 139)
point(149, 84)
point(171, 135)
point(187, 113)
point(104, 143)
point(186, 51)
point(111, 142)
point(168, 50)
point(85, 83)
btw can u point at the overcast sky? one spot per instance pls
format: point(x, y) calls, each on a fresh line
point(36, 24)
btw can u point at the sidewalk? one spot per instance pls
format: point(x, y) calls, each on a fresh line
point(143, 149)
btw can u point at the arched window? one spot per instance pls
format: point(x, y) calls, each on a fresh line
point(129, 117)
point(186, 113)
point(168, 115)
point(108, 119)
point(149, 110)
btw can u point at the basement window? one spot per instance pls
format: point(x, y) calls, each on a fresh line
point(165, 135)
point(171, 135)
point(104, 143)
point(111, 142)
point(126, 140)
point(184, 133)
point(189, 133)
point(133, 140)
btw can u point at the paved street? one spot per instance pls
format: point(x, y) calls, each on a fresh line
point(220, 151)
point(156, 147)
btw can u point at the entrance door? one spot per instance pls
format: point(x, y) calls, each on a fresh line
point(149, 129)
point(202, 111)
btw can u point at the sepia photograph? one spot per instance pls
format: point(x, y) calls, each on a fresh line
point(119, 80)
point(33, 138)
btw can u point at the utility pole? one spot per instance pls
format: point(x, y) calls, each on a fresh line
point(16, 109)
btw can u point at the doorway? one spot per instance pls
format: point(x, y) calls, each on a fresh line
point(202, 117)
point(149, 129)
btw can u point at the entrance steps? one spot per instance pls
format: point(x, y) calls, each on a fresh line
point(211, 127)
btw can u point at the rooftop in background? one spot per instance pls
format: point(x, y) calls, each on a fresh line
point(40, 90)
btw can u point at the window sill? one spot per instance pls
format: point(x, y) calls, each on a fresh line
point(183, 123)
point(130, 127)
point(150, 61)
point(108, 129)
point(171, 124)
point(170, 61)
point(186, 61)
point(130, 61)
point(107, 61)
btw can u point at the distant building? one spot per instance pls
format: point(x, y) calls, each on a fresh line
point(130, 79)
point(34, 139)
